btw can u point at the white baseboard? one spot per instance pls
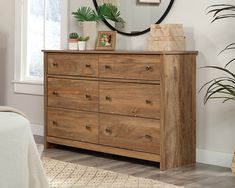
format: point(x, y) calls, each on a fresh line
point(203, 156)
point(214, 158)
point(37, 130)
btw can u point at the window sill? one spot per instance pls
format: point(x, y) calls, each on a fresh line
point(28, 87)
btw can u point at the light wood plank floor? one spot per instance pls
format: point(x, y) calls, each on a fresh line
point(193, 176)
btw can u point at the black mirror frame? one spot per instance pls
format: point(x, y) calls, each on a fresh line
point(141, 32)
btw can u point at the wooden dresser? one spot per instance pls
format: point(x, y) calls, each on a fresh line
point(135, 104)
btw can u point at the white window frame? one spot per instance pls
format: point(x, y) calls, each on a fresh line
point(32, 87)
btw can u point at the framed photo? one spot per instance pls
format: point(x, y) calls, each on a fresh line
point(106, 40)
point(149, 1)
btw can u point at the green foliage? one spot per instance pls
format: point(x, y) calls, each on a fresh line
point(85, 14)
point(110, 12)
point(73, 36)
point(81, 38)
point(221, 87)
point(105, 11)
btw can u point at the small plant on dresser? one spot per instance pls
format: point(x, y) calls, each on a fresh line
point(73, 41)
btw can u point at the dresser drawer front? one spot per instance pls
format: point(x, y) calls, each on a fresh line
point(73, 94)
point(81, 126)
point(130, 133)
point(72, 64)
point(130, 67)
point(141, 100)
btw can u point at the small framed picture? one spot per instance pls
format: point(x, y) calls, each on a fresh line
point(106, 40)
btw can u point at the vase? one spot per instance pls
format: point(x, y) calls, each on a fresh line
point(90, 29)
point(82, 45)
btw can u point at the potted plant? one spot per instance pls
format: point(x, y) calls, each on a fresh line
point(73, 41)
point(88, 17)
point(82, 42)
point(222, 87)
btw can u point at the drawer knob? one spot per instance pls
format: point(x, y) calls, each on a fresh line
point(148, 101)
point(108, 130)
point(88, 127)
point(55, 93)
point(148, 68)
point(55, 64)
point(55, 123)
point(108, 98)
point(107, 67)
point(148, 137)
point(88, 65)
point(88, 97)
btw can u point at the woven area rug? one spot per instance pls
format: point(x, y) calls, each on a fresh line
point(70, 175)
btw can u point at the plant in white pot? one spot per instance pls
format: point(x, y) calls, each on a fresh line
point(82, 42)
point(89, 18)
point(73, 41)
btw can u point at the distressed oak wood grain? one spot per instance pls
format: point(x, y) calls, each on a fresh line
point(135, 104)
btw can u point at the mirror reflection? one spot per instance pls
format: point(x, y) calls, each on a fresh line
point(138, 14)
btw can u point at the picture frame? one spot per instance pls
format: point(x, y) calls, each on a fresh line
point(149, 1)
point(106, 40)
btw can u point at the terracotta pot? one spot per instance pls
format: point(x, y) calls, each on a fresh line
point(73, 44)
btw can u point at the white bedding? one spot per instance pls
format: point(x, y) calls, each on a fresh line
point(20, 165)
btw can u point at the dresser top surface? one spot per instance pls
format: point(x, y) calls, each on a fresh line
point(123, 52)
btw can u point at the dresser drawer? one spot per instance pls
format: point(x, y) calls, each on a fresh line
point(142, 100)
point(72, 64)
point(81, 126)
point(130, 133)
point(73, 94)
point(145, 67)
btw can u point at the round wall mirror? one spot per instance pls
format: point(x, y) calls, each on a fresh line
point(137, 14)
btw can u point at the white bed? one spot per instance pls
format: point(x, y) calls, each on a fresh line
point(20, 165)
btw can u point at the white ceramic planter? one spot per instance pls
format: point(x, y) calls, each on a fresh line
point(90, 29)
point(82, 45)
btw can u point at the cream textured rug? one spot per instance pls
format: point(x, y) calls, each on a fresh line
point(69, 175)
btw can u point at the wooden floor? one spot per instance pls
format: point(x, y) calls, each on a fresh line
point(193, 176)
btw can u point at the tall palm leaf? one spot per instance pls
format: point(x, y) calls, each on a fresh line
point(85, 14)
point(221, 87)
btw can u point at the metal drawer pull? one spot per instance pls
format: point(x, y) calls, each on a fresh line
point(88, 96)
point(88, 66)
point(148, 101)
point(148, 137)
point(148, 68)
point(55, 64)
point(108, 98)
point(55, 93)
point(107, 67)
point(88, 127)
point(108, 130)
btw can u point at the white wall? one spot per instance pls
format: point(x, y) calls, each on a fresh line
point(215, 121)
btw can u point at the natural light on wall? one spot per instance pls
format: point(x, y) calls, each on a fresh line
point(43, 27)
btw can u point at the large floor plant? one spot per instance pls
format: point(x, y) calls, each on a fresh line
point(221, 87)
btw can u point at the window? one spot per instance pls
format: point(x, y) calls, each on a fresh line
point(40, 24)
point(43, 20)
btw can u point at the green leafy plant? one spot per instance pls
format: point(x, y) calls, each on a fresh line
point(105, 11)
point(81, 38)
point(110, 12)
point(73, 36)
point(86, 14)
point(221, 87)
